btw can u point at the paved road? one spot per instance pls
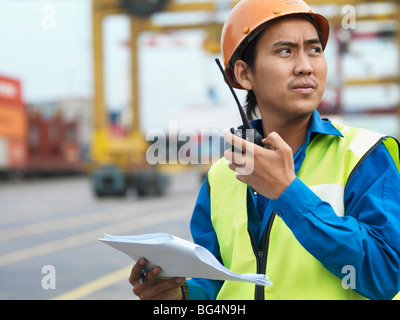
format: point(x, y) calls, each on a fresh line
point(50, 227)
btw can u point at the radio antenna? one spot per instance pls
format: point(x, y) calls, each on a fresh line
point(246, 122)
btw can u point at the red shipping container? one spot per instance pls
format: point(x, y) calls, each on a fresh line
point(13, 126)
point(17, 154)
point(10, 91)
point(13, 122)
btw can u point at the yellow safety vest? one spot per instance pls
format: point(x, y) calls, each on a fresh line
point(294, 272)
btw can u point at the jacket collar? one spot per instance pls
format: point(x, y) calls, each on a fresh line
point(316, 125)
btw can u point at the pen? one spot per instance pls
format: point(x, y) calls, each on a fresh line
point(142, 277)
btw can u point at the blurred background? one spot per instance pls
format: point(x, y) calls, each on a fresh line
point(87, 86)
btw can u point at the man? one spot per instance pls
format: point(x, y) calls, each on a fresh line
point(323, 222)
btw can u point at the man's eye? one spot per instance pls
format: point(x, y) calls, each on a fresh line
point(284, 51)
point(316, 50)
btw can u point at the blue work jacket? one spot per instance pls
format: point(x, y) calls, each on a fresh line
point(372, 206)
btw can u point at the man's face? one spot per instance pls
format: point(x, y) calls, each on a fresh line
point(290, 70)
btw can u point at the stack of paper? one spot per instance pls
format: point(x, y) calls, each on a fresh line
point(178, 257)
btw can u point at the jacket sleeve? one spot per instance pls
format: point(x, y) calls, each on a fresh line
point(367, 238)
point(203, 234)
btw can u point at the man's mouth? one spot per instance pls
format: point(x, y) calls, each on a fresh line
point(307, 87)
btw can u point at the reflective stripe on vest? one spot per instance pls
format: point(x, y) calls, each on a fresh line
point(295, 273)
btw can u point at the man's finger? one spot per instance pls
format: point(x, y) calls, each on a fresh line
point(151, 276)
point(235, 141)
point(137, 271)
point(235, 158)
point(169, 289)
point(163, 289)
point(275, 142)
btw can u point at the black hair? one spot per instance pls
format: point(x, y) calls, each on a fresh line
point(249, 56)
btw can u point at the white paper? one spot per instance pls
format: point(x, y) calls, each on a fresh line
point(178, 257)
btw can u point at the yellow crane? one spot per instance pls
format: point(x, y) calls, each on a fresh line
point(118, 162)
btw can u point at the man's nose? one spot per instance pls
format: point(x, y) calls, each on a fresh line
point(303, 65)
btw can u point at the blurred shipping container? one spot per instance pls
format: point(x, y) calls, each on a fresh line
point(53, 146)
point(13, 127)
point(71, 110)
point(37, 139)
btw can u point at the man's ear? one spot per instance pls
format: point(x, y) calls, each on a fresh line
point(243, 74)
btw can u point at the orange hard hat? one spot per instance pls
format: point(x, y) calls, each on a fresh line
point(250, 15)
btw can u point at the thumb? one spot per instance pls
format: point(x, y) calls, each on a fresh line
point(275, 142)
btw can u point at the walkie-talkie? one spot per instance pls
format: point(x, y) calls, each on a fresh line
point(246, 131)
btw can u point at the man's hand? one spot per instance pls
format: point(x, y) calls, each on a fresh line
point(152, 288)
point(268, 171)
